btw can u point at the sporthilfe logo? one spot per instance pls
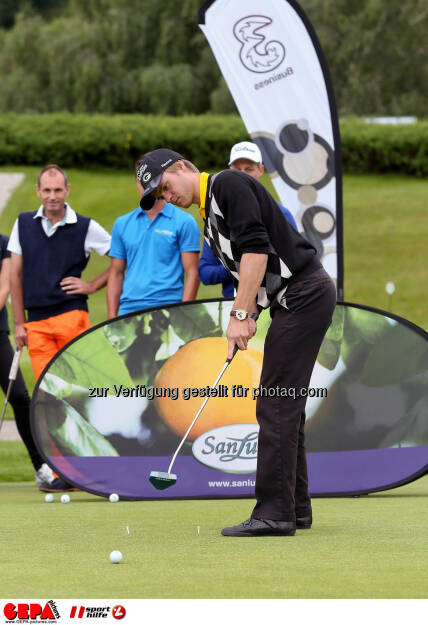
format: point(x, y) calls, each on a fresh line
point(256, 54)
point(80, 612)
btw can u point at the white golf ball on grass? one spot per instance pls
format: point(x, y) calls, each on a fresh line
point(65, 498)
point(390, 288)
point(116, 557)
point(114, 497)
point(49, 498)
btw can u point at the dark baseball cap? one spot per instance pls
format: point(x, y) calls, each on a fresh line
point(151, 170)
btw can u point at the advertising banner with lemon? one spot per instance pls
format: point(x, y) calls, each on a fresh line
point(114, 404)
point(272, 61)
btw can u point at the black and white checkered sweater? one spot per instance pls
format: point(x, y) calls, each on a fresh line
point(242, 217)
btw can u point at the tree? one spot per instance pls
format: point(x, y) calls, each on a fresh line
point(150, 56)
point(8, 9)
point(376, 52)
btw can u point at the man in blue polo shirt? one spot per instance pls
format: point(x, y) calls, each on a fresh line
point(154, 258)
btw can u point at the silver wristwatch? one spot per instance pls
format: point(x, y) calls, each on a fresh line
point(241, 315)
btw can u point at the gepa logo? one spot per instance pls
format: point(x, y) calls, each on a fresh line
point(257, 54)
point(31, 612)
point(230, 448)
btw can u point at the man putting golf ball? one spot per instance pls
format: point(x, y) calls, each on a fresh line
point(273, 267)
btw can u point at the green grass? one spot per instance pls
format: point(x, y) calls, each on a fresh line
point(385, 234)
point(368, 547)
point(385, 230)
point(15, 465)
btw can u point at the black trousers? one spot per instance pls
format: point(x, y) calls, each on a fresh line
point(292, 344)
point(19, 399)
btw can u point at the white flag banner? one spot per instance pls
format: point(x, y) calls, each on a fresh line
point(272, 62)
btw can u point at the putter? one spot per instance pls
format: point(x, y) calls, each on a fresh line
point(12, 377)
point(161, 479)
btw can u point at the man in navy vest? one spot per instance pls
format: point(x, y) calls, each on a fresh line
point(50, 249)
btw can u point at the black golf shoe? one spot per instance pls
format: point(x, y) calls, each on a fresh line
point(58, 485)
point(304, 522)
point(261, 527)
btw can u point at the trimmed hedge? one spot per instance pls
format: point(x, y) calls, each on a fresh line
point(378, 148)
point(116, 141)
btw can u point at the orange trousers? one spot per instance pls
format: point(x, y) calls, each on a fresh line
point(46, 337)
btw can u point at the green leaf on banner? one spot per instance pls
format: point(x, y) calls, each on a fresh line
point(56, 386)
point(362, 330)
point(366, 325)
point(263, 323)
point(330, 348)
point(122, 333)
point(190, 322)
point(171, 342)
point(398, 356)
point(329, 354)
point(92, 361)
point(335, 331)
point(79, 437)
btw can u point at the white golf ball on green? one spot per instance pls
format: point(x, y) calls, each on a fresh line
point(65, 498)
point(116, 557)
point(49, 498)
point(114, 497)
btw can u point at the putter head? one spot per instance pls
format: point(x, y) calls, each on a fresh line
point(162, 480)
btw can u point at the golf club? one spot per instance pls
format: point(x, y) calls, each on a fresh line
point(12, 377)
point(161, 479)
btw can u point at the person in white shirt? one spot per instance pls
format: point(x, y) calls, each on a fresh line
point(50, 248)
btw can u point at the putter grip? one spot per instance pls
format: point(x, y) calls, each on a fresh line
point(235, 349)
point(15, 364)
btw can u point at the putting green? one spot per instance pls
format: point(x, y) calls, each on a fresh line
point(373, 547)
